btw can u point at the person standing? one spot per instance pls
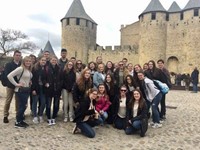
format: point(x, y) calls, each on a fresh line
point(195, 79)
point(24, 75)
point(16, 62)
point(63, 60)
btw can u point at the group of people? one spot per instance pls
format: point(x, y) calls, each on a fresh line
point(121, 94)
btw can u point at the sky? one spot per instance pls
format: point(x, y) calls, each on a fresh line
point(40, 19)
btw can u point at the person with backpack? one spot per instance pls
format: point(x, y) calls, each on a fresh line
point(9, 67)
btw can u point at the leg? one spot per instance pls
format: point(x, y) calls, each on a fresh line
point(65, 103)
point(86, 129)
point(48, 107)
point(71, 105)
point(34, 105)
point(119, 123)
point(136, 124)
point(129, 130)
point(155, 103)
point(55, 106)
point(9, 96)
point(163, 106)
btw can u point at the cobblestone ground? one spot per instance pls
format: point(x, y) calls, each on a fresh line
point(180, 131)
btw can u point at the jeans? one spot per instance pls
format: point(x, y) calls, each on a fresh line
point(86, 127)
point(154, 106)
point(135, 126)
point(163, 106)
point(119, 122)
point(68, 104)
point(42, 101)
point(195, 88)
point(22, 99)
point(104, 116)
point(56, 100)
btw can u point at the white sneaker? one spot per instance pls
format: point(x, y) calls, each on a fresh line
point(35, 120)
point(65, 120)
point(151, 123)
point(41, 119)
point(53, 121)
point(71, 119)
point(157, 125)
point(49, 122)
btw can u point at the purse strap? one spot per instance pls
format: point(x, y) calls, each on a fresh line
point(21, 75)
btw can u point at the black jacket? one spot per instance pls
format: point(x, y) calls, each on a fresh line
point(69, 80)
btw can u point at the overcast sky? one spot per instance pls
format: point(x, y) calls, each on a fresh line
point(40, 19)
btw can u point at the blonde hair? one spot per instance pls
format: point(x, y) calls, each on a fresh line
point(23, 63)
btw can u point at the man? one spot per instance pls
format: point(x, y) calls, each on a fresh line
point(16, 62)
point(167, 80)
point(125, 61)
point(195, 79)
point(63, 60)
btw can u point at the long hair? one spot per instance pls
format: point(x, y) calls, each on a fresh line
point(66, 69)
point(37, 64)
point(105, 92)
point(82, 83)
point(111, 84)
point(141, 100)
point(23, 63)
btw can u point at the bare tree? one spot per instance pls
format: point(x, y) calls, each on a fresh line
point(11, 40)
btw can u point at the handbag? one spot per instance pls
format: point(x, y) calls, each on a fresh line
point(24, 89)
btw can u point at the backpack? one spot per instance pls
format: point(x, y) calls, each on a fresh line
point(4, 78)
point(161, 86)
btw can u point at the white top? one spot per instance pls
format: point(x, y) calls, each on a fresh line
point(25, 78)
point(122, 108)
point(135, 108)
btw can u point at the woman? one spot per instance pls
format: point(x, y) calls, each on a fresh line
point(119, 105)
point(111, 91)
point(78, 68)
point(69, 78)
point(109, 67)
point(153, 96)
point(82, 85)
point(130, 84)
point(86, 116)
point(99, 76)
point(24, 76)
point(37, 90)
point(92, 67)
point(103, 103)
point(137, 114)
point(53, 85)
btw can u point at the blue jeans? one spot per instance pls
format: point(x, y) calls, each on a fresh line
point(55, 107)
point(42, 101)
point(163, 106)
point(104, 116)
point(154, 106)
point(119, 122)
point(22, 98)
point(135, 126)
point(86, 127)
point(195, 88)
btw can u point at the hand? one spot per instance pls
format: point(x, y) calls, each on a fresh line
point(130, 121)
point(34, 92)
point(19, 85)
point(47, 85)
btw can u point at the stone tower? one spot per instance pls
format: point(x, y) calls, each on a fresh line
point(78, 32)
point(153, 27)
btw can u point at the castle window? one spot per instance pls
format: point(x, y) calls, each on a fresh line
point(196, 12)
point(153, 16)
point(86, 23)
point(181, 16)
point(68, 22)
point(77, 21)
point(167, 17)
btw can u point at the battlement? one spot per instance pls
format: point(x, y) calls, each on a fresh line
point(132, 48)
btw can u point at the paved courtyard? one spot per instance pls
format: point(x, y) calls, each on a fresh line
point(181, 131)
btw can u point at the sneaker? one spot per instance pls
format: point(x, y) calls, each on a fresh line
point(157, 125)
point(41, 119)
point(5, 120)
point(71, 119)
point(35, 120)
point(53, 121)
point(19, 125)
point(49, 122)
point(65, 120)
point(151, 123)
point(25, 124)
point(162, 121)
point(74, 131)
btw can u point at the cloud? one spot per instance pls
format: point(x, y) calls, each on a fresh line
point(42, 18)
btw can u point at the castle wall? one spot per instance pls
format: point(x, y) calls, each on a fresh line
point(152, 44)
point(130, 34)
point(77, 39)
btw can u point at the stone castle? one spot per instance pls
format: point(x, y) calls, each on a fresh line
point(172, 35)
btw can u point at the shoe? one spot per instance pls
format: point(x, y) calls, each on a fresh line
point(162, 121)
point(74, 131)
point(35, 120)
point(41, 119)
point(19, 125)
point(49, 122)
point(53, 121)
point(157, 125)
point(65, 120)
point(25, 124)
point(5, 120)
point(151, 123)
point(71, 119)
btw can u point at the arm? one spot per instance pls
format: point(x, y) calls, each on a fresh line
point(17, 72)
point(142, 113)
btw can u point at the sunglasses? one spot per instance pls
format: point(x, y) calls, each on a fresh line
point(123, 90)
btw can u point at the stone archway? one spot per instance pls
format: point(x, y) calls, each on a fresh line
point(172, 63)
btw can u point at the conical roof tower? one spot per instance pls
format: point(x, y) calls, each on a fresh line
point(174, 8)
point(49, 48)
point(192, 4)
